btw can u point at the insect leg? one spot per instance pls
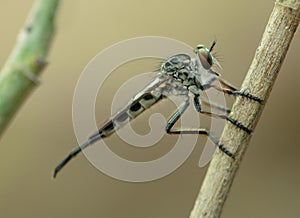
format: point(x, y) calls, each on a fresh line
point(174, 118)
point(229, 89)
point(222, 116)
point(238, 93)
point(227, 84)
point(215, 106)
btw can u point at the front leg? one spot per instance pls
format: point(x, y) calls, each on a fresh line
point(229, 89)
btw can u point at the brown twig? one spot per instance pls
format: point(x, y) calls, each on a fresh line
point(259, 81)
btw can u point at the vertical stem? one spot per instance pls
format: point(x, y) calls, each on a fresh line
point(20, 72)
point(259, 81)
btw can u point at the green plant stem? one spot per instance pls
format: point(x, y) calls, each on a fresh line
point(259, 81)
point(20, 72)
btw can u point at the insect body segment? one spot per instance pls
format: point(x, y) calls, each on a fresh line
point(138, 104)
point(179, 75)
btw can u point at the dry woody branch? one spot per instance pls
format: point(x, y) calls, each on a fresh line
point(259, 81)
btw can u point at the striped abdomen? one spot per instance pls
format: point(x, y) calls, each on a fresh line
point(137, 106)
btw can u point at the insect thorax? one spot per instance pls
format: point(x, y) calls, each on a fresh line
point(182, 68)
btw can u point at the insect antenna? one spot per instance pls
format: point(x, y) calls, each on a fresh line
point(212, 45)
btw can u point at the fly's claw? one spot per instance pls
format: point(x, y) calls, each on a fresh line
point(225, 151)
point(247, 95)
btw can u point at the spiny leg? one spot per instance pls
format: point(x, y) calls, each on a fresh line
point(221, 116)
point(243, 94)
point(174, 118)
point(74, 152)
point(227, 85)
point(229, 89)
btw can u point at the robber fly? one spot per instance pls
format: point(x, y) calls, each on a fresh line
point(179, 75)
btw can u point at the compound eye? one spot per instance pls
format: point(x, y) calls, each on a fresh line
point(205, 56)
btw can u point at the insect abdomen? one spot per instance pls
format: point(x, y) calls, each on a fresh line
point(137, 106)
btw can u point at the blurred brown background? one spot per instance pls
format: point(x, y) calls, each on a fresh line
point(41, 134)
